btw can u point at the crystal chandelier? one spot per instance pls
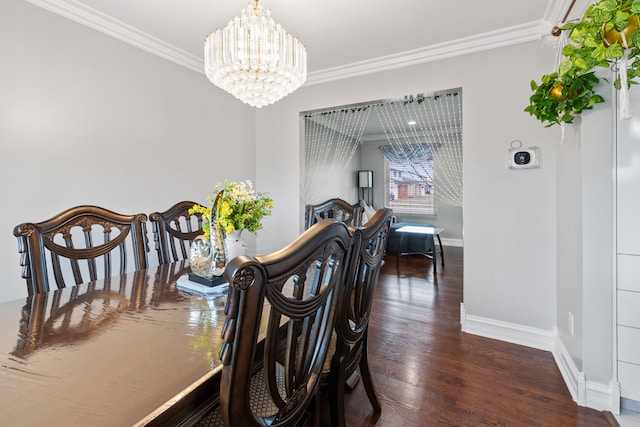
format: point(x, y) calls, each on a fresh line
point(255, 59)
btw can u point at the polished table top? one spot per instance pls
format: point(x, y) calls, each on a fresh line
point(112, 353)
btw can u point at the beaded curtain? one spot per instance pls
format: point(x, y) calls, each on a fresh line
point(333, 137)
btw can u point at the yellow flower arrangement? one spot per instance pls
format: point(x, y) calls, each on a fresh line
point(239, 208)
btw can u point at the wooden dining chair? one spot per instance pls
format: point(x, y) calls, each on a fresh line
point(352, 324)
point(174, 230)
point(286, 301)
point(336, 209)
point(67, 249)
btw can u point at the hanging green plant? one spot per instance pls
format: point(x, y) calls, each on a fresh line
point(608, 32)
point(558, 99)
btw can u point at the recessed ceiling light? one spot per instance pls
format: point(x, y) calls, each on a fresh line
point(411, 122)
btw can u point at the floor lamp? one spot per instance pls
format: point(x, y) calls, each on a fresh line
point(365, 185)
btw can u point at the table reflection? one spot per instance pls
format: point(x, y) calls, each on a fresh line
point(108, 352)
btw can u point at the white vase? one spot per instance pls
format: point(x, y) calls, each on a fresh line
point(235, 245)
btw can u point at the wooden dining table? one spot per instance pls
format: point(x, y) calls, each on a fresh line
point(132, 350)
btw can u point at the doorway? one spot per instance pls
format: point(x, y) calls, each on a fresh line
point(412, 143)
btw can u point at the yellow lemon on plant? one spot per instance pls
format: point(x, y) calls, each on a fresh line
point(556, 92)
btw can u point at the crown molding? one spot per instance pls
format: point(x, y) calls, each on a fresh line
point(105, 24)
point(464, 46)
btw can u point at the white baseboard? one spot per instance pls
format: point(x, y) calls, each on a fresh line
point(587, 393)
point(603, 397)
point(573, 378)
point(504, 331)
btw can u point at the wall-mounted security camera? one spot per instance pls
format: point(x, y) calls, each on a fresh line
point(519, 157)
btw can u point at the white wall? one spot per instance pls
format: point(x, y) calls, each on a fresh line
point(509, 216)
point(596, 146)
point(569, 243)
point(585, 252)
point(86, 119)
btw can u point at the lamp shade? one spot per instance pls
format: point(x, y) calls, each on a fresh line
point(365, 179)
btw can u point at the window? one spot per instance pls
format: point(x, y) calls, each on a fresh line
point(410, 187)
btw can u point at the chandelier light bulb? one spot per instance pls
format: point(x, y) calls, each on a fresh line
point(255, 59)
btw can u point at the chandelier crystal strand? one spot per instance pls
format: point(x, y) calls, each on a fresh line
point(255, 59)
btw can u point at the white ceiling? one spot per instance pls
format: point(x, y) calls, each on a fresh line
point(342, 37)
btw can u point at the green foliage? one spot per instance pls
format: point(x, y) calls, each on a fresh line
point(588, 49)
point(239, 208)
point(558, 99)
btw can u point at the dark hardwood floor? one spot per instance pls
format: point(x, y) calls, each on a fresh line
point(429, 373)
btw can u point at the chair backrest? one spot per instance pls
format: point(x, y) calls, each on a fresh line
point(69, 246)
point(302, 284)
point(336, 209)
point(361, 279)
point(174, 230)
